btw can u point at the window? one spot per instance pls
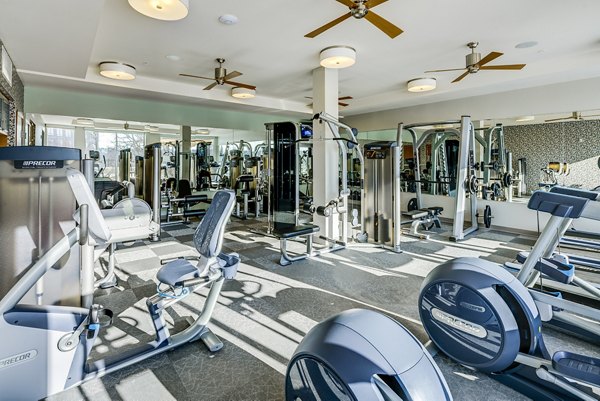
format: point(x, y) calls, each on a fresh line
point(63, 137)
point(109, 144)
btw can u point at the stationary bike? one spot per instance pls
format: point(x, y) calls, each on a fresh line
point(45, 349)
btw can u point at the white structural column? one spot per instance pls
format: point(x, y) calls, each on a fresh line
point(80, 140)
point(185, 159)
point(152, 138)
point(325, 151)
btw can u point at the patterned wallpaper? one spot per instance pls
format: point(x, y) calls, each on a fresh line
point(575, 142)
point(15, 94)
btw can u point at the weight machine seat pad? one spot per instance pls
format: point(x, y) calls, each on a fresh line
point(245, 178)
point(435, 209)
point(296, 231)
point(416, 214)
point(177, 271)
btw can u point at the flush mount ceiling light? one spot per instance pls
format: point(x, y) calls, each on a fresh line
point(85, 122)
point(114, 70)
point(243, 93)
point(202, 131)
point(421, 84)
point(337, 57)
point(524, 119)
point(166, 10)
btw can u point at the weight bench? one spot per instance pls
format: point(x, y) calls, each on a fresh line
point(287, 232)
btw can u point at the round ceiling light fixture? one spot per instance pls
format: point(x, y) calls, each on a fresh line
point(421, 84)
point(243, 93)
point(166, 10)
point(337, 57)
point(114, 70)
point(228, 19)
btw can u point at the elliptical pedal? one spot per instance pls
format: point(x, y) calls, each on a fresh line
point(577, 366)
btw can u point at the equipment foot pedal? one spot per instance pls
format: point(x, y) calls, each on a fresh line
point(577, 366)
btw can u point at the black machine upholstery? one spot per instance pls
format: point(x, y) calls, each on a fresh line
point(295, 231)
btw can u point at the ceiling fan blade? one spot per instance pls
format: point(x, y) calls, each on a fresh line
point(347, 3)
point(232, 75)
point(386, 26)
point(448, 69)
point(309, 105)
point(343, 104)
point(209, 87)
point(241, 85)
point(461, 77)
point(325, 27)
point(491, 56)
point(195, 76)
point(373, 3)
point(345, 98)
point(308, 97)
point(503, 67)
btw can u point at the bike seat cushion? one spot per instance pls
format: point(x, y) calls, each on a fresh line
point(176, 272)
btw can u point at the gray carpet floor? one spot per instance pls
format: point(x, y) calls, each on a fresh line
point(264, 313)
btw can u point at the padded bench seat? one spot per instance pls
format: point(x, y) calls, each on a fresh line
point(435, 209)
point(287, 232)
point(295, 231)
point(415, 214)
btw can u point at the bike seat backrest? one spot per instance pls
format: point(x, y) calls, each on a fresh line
point(557, 204)
point(208, 237)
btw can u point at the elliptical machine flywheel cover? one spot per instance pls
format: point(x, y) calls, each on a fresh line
point(478, 314)
point(362, 355)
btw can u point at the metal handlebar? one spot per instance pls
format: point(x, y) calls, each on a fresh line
point(83, 224)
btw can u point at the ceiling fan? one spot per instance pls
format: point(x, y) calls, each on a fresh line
point(339, 101)
point(476, 63)
point(222, 77)
point(361, 9)
point(576, 115)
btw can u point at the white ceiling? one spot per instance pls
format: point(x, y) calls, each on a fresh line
point(60, 43)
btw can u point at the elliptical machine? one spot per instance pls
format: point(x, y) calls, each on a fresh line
point(362, 355)
point(483, 317)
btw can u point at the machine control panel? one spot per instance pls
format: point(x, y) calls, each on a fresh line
point(378, 150)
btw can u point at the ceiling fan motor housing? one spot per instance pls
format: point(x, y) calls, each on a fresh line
point(473, 60)
point(360, 10)
point(220, 73)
